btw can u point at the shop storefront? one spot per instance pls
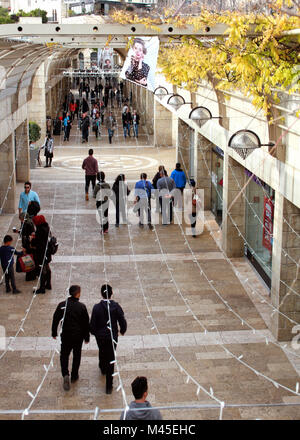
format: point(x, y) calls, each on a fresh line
point(259, 226)
point(217, 183)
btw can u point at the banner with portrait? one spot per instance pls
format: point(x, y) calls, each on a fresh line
point(105, 58)
point(140, 64)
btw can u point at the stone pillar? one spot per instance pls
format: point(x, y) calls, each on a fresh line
point(37, 105)
point(233, 244)
point(22, 152)
point(162, 125)
point(285, 269)
point(183, 146)
point(149, 109)
point(203, 167)
point(7, 164)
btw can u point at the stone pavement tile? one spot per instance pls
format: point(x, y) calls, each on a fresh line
point(271, 413)
point(182, 339)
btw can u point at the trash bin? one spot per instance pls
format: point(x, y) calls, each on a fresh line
point(34, 151)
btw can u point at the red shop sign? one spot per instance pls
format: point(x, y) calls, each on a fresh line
point(268, 223)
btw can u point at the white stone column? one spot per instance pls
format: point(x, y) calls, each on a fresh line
point(203, 156)
point(7, 184)
point(233, 244)
point(162, 126)
point(285, 273)
point(37, 104)
point(23, 158)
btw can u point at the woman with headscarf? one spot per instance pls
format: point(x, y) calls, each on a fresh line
point(121, 191)
point(42, 257)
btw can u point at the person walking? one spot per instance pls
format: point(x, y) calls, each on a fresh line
point(90, 165)
point(49, 148)
point(139, 409)
point(7, 253)
point(85, 127)
point(154, 183)
point(121, 192)
point(127, 121)
point(135, 123)
point(102, 193)
point(42, 255)
point(100, 87)
point(67, 127)
point(87, 91)
point(143, 190)
point(85, 106)
point(107, 311)
point(72, 109)
point(96, 125)
point(178, 175)
point(26, 197)
point(75, 330)
point(166, 187)
point(110, 125)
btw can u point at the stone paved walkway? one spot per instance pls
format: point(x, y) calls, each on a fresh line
point(141, 351)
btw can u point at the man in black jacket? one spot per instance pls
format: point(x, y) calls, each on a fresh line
point(104, 325)
point(75, 329)
point(85, 127)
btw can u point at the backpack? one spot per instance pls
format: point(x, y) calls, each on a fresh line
point(52, 245)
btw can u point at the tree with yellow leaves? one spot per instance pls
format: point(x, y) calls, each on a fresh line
point(256, 55)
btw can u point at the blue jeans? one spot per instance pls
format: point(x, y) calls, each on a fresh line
point(136, 130)
point(110, 134)
point(126, 128)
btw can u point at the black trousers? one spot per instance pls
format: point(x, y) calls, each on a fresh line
point(68, 344)
point(106, 355)
point(89, 179)
point(45, 276)
point(85, 135)
point(49, 160)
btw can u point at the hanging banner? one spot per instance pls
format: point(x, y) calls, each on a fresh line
point(140, 64)
point(106, 58)
point(268, 223)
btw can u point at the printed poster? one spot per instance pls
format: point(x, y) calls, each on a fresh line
point(140, 64)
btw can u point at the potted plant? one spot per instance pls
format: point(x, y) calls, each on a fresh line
point(34, 135)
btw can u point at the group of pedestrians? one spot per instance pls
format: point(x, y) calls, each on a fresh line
point(107, 320)
point(130, 120)
point(36, 248)
point(76, 328)
point(169, 193)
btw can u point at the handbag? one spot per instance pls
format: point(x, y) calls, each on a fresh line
point(26, 263)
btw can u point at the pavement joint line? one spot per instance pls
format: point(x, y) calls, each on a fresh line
point(129, 343)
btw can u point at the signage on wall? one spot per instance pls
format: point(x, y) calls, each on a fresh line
point(268, 223)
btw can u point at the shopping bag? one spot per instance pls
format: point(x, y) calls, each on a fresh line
point(26, 263)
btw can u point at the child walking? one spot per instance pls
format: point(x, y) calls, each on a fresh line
point(7, 262)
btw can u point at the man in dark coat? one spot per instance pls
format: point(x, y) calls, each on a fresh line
point(105, 318)
point(85, 127)
point(75, 329)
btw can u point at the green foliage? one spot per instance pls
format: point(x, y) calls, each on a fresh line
point(253, 56)
point(34, 13)
point(34, 131)
point(4, 16)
